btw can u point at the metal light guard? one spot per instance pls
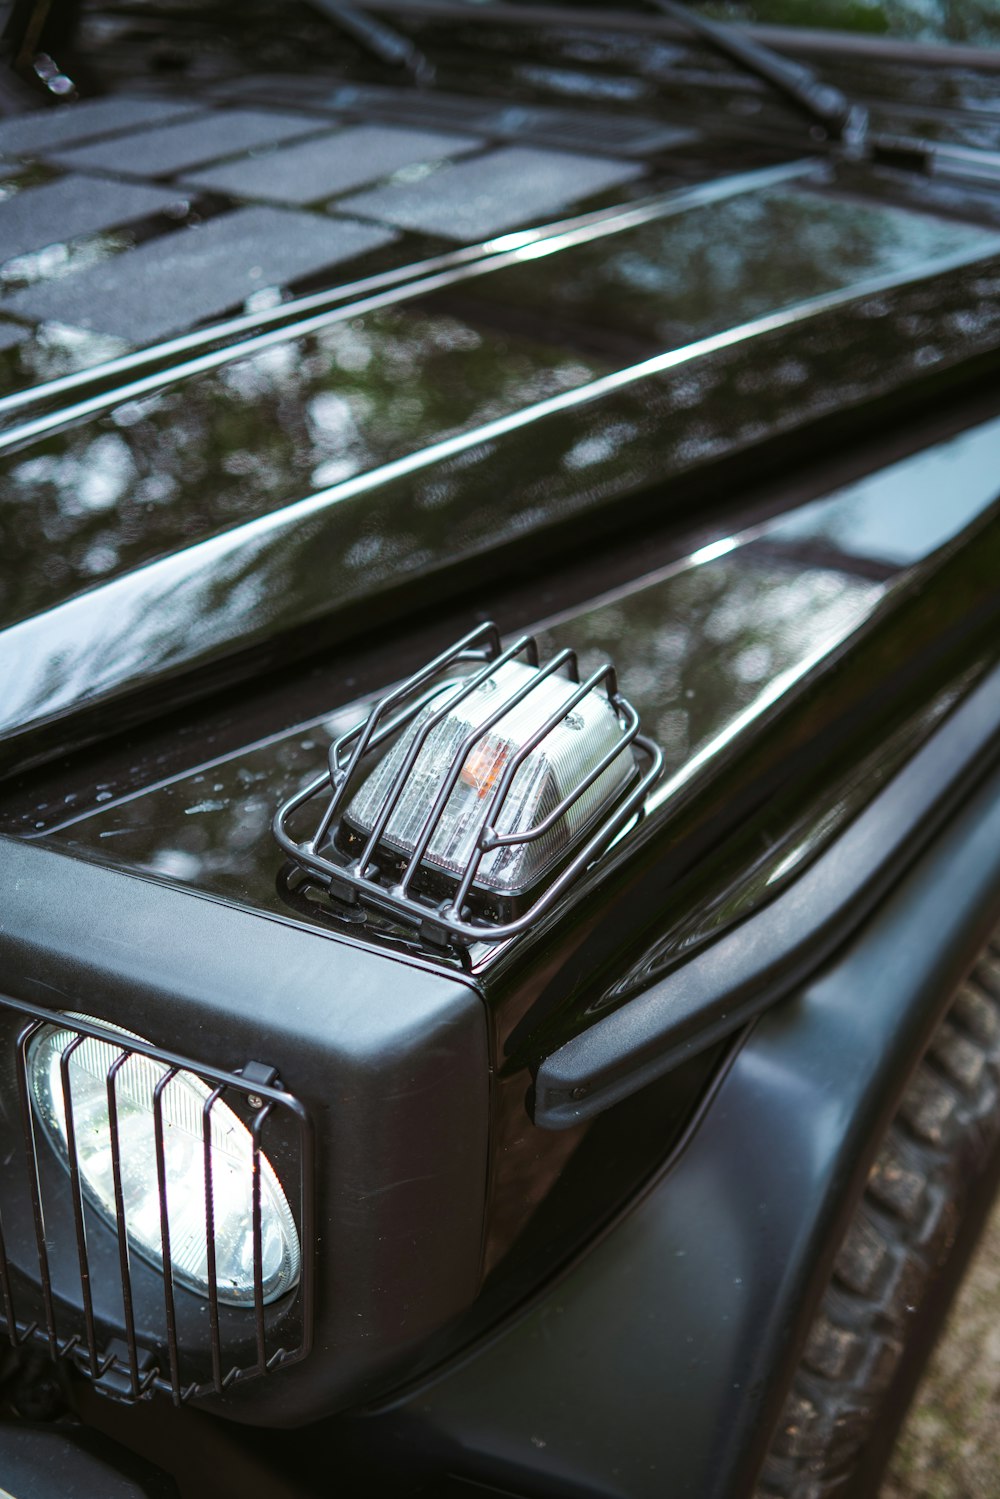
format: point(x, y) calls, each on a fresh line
point(446, 920)
point(123, 1364)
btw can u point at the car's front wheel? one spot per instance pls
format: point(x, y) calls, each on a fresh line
point(899, 1241)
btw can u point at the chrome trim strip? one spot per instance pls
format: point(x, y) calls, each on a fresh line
point(381, 291)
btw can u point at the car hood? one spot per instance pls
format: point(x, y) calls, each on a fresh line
point(270, 486)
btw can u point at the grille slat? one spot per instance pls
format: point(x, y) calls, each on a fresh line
point(450, 779)
point(420, 739)
point(71, 1279)
point(77, 1191)
point(124, 1268)
point(258, 1251)
point(34, 1187)
point(213, 1286)
point(169, 1309)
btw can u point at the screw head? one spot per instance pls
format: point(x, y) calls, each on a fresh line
point(255, 1101)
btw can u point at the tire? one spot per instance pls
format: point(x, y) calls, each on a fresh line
point(937, 1147)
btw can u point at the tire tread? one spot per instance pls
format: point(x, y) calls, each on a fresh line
point(901, 1233)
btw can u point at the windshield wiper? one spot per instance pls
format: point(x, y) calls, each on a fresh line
point(841, 118)
point(376, 37)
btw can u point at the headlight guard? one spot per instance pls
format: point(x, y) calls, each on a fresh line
point(433, 836)
point(94, 1296)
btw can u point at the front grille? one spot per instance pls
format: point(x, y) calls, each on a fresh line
point(71, 1281)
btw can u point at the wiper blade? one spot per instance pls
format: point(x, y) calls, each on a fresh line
point(841, 118)
point(379, 39)
point(844, 120)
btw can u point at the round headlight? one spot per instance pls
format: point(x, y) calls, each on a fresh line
point(89, 1064)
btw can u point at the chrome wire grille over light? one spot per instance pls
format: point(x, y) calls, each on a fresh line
point(114, 1252)
point(476, 792)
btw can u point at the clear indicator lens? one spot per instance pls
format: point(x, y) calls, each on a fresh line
point(183, 1101)
point(547, 774)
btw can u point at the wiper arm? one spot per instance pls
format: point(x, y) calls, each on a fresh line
point(379, 39)
point(841, 118)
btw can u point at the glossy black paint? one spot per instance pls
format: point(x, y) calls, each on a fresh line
point(576, 429)
point(747, 970)
point(686, 641)
point(144, 630)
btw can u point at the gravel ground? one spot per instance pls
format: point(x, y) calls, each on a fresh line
point(950, 1445)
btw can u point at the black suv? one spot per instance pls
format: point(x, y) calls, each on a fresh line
point(500, 810)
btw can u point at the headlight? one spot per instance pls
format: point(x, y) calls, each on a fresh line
point(63, 1068)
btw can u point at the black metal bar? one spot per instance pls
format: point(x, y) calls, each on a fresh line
point(210, 1260)
point(6, 1292)
point(487, 633)
point(379, 39)
point(457, 764)
point(450, 779)
point(820, 101)
point(121, 1226)
point(307, 1234)
point(81, 1346)
point(76, 1188)
point(340, 774)
point(487, 840)
point(463, 650)
point(256, 1130)
point(539, 830)
point(421, 737)
point(393, 726)
point(34, 1185)
point(136, 1045)
point(499, 793)
point(168, 1269)
point(528, 748)
point(429, 916)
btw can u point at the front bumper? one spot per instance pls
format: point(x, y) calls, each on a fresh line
point(64, 1462)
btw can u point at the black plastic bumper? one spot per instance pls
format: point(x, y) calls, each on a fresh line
point(65, 1462)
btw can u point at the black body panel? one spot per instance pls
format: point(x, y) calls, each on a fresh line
point(659, 1361)
point(389, 1059)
